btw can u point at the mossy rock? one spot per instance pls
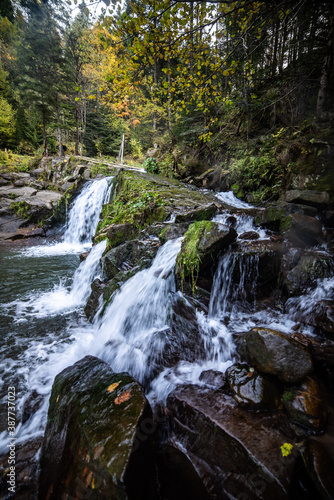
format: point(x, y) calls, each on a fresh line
point(120, 233)
point(202, 243)
point(205, 213)
point(302, 230)
point(92, 446)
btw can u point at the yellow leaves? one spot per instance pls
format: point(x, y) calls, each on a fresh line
point(57, 398)
point(286, 449)
point(112, 387)
point(125, 396)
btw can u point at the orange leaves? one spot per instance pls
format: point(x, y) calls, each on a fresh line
point(112, 387)
point(125, 396)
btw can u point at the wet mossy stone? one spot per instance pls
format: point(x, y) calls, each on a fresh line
point(251, 389)
point(94, 446)
point(120, 233)
point(276, 354)
point(229, 446)
point(302, 230)
point(272, 215)
point(305, 405)
point(202, 243)
point(173, 231)
point(203, 213)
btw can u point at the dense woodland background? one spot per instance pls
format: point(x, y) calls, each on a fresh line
point(243, 85)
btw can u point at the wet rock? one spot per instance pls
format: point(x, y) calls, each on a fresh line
point(213, 378)
point(313, 198)
point(31, 405)
point(120, 233)
point(83, 256)
point(215, 179)
point(310, 267)
point(320, 464)
point(302, 230)
point(305, 405)
point(173, 231)
point(277, 354)
point(209, 239)
point(235, 452)
point(93, 444)
point(97, 289)
point(20, 183)
point(272, 215)
point(203, 213)
point(323, 358)
point(255, 268)
point(250, 389)
point(276, 238)
point(26, 471)
point(177, 476)
point(249, 235)
point(133, 254)
point(182, 341)
point(87, 174)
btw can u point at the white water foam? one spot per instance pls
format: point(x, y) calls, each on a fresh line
point(229, 198)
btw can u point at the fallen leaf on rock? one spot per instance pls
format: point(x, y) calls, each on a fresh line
point(123, 397)
point(112, 387)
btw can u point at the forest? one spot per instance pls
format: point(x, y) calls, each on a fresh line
point(243, 85)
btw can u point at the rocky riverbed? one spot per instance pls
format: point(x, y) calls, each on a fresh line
point(211, 370)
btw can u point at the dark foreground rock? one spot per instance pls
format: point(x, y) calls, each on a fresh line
point(276, 354)
point(236, 453)
point(93, 446)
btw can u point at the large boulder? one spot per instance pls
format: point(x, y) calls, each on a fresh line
point(319, 458)
point(302, 230)
point(305, 405)
point(276, 354)
point(236, 453)
point(318, 199)
point(251, 389)
point(273, 213)
point(94, 445)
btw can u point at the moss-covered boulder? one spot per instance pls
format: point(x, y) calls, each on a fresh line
point(276, 354)
point(202, 243)
point(251, 389)
point(273, 213)
point(305, 405)
point(120, 233)
point(203, 213)
point(302, 230)
point(310, 267)
point(94, 445)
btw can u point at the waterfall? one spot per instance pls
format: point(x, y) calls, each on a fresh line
point(85, 212)
point(234, 284)
point(130, 334)
point(229, 198)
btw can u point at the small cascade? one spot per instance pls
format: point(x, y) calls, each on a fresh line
point(229, 198)
point(130, 334)
point(234, 285)
point(85, 212)
point(241, 223)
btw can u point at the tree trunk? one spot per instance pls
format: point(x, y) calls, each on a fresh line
point(326, 74)
point(61, 150)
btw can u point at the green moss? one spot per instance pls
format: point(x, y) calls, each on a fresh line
point(21, 208)
point(288, 396)
point(188, 259)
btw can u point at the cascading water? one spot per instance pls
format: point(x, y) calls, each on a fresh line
point(84, 214)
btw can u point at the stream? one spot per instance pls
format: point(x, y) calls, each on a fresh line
point(44, 329)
